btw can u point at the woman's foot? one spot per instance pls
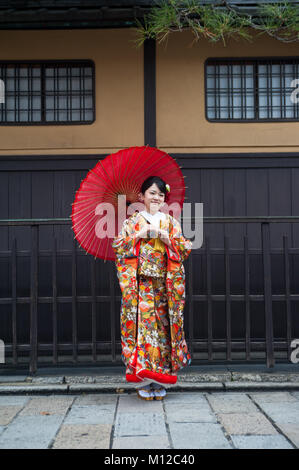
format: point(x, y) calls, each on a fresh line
point(145, 392)
point(158, 391)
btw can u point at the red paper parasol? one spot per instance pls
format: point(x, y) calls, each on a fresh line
point(121, 173)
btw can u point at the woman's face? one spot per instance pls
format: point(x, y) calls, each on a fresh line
point(153, 199)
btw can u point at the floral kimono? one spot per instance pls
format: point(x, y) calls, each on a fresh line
point(152, 281)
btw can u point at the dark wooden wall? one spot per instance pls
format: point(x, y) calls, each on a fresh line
point(227, 185)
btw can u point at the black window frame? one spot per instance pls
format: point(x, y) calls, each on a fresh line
point(61, 63)
point(247, 61)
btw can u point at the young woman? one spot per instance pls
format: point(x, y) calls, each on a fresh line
point(150, 251)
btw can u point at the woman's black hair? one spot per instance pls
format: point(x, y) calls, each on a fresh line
point(150, 181)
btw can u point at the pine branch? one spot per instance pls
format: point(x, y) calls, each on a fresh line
point(218, 21)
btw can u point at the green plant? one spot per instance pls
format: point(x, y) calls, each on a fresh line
point(219, 21)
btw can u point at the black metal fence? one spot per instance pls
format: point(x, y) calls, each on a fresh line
point(247, 327)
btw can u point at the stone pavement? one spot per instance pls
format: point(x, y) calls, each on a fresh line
point(183, 420)
point(211, 407)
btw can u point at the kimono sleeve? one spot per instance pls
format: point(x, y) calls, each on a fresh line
point(180, 247)
point(124, 244)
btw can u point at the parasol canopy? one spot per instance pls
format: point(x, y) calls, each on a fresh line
point(118, 178)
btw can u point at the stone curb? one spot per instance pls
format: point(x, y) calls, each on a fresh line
point(117, 379)
point(123, 388)
point(261, 386)
point(24, 389)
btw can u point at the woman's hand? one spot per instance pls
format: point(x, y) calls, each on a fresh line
point(164, 236)
point(147, 231)
point(153, 232)
point(143, 233)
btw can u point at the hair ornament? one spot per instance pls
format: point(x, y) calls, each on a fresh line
point(167, 188)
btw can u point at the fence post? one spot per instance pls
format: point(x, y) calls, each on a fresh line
point(14, 299)
point(74, 302)
point(267, 293)
point(190, 300)
point(112, 310)
point(33, 299)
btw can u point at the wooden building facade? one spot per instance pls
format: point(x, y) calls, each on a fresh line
point(77, 89)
